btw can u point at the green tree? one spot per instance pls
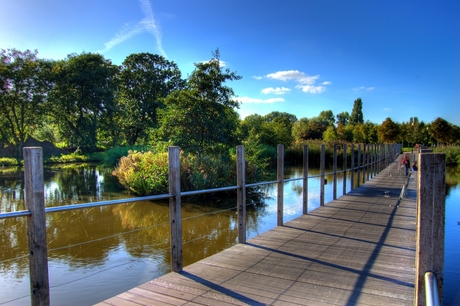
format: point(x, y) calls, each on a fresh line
point(201, 118)
point(357, 112)
point(299, 129)
point(144, 80)
point(330, 135)
point(441, 130)
point(388, 131)
point(343, 118)
point(326, 117)
point(23, 90)
point(344, 132)
point(251, 125)
point(83, 98)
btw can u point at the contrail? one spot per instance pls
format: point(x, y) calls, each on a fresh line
point(131, 29)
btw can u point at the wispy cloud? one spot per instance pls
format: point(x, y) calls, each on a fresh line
point(148, 24)
point(311, 89)
point(304, 82)
point(276, 91)
point(259, 101)
point(363, 88)
point(257, 77)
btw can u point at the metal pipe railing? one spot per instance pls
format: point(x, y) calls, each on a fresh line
point(431, 289)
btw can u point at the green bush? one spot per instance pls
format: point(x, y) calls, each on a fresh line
point(452, 154)
point(143, 173)
point(112, 156)
point(147, 173)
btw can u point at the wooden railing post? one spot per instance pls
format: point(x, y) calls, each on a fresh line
point(368, 161)
point(430, 221)
point(334, 180)
point(359, 165)
point(365, 148)
point(322, 176)
point(352, 174)
point(36, 225)
point(241, 193)
point(175, 219)
point(345, 163)
point(381, 159)
point(280, 178)
point(305, 180)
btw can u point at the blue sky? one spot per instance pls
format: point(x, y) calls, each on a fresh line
point(302, 57)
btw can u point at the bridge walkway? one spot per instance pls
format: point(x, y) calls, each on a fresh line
point(356, 250)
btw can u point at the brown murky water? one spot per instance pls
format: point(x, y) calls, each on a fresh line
point(99, 252)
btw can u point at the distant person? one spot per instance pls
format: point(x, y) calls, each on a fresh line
point(405, 161)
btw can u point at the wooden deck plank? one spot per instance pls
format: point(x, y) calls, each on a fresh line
point(358, 249)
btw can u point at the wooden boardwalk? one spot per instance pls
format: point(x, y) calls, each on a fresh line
point(356, 250)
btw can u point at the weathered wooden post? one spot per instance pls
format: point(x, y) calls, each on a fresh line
point(305, 180)
point(352, 176)
point(430, 221)
point(334, 185)
point(175, 219)
point(365, 148)
point(241, 193)
point(368, 161)
point(36, 225)
point(280, 178)
point(345, 169)
point(359, 165)
point(322, 176)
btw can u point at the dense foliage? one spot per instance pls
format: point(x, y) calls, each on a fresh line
point(86, 104)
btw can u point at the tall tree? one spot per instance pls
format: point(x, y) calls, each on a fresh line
point(357, 112)
point(388, 131)
point(201, 118)
point(23, 90)
point(441, 130)
point(326, 117)
point(83, 98)
point(144, 81)
point(343, 118)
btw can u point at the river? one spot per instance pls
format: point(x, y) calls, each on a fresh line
point(97, 253)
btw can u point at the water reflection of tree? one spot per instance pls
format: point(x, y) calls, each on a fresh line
point(83, 237)
point(11, 186)
point(14, 258)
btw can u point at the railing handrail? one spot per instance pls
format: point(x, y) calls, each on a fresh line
point(25, 213)
point(431, 289)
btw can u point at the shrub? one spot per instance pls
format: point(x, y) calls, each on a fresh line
point(452, 154)
point(112, 156)
point(147, 173)
point(143, 173)
point(74, 157)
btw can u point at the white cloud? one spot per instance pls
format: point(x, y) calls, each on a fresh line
point(286, 75)
point(276, 91)
point(305, 82)
point(363, 88)
point(311, 89)
point(259, 101)
point(148, 24)
point(257, 77)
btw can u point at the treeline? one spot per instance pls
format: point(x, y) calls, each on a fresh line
point(87, 102)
